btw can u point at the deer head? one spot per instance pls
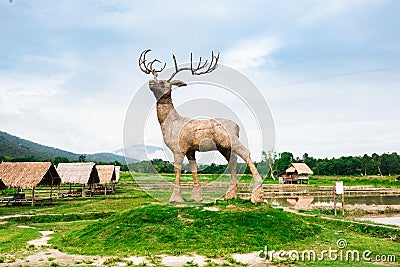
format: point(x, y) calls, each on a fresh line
point(161, 88)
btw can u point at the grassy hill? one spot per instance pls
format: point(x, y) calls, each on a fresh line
point(15, 147)
point(159, 229)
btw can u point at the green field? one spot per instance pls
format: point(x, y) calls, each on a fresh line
point(378, 181)
point(132, 223)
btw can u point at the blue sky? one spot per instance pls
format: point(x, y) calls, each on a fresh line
point(329, 69)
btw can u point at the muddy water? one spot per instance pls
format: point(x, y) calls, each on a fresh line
point(384, 220)
point(321, 201)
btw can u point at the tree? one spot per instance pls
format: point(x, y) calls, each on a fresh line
point(82, 158)
point(162, 166)
point(284, 161)
point(390, 164)
point(26, 159)
point(365, 162)
point(270, 158)
point(117, 163)
point(58, 160)
point(310, 161)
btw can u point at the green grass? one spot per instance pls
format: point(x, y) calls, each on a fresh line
point(59, 217)
point(127, 195)
point(132, 223)
point(356, 241)
point(166, 229)
point(143, 178)
point(378, 181)
point(13, 238)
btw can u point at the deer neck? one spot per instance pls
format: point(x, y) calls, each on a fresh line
point(166, 109)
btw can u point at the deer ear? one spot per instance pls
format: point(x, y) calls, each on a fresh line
point(178, 83)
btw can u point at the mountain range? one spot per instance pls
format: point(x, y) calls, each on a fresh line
point(15, 147)
point(141, 152)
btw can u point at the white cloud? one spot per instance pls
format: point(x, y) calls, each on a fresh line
point(68, 70)
point(327, 10)
point(250, 53)
point(44, 110)
point(19, 94)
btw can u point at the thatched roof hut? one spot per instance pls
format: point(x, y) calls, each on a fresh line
point(106, 173)
point(78, 173)
point(297, 172)
point(117, 174)
point(28, 174)
point(300, 168)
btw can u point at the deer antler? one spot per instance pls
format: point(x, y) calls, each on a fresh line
point(202, 67)
point(147, 67)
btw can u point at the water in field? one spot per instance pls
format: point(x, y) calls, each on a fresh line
point(383, 220)
point(325, 201)
point(161, 186)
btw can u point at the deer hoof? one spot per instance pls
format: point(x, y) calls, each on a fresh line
point(232, 192)
point(176, 195)
point(257, 196)
point(196, 194)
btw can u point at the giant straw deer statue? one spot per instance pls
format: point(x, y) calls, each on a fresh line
point(185, 136)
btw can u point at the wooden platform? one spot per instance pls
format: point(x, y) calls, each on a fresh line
point(71, 194)
point(20, 201)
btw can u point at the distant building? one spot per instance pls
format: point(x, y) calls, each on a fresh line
point(296, 173)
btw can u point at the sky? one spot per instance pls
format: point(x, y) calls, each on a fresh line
point(329, 70)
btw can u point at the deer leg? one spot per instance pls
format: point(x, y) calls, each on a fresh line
point(196, 192)
point(177, 193)
point(257, 193)
point(232, 159)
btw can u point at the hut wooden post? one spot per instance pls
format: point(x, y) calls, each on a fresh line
point(51, 187)
point(58, 191)
point(105, 189)
point(33, 196)
point(334, 198)
point(343, 203)
point(83, 190)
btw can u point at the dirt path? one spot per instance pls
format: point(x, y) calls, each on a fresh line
point(42, 241)
point(5, 217)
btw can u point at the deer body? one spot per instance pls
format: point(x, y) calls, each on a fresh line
point(194, 132)
point(185, 136)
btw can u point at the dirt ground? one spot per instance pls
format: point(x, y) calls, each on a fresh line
point(44, 255)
